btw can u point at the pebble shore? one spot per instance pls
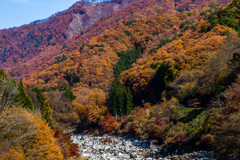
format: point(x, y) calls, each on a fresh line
point(116, 148)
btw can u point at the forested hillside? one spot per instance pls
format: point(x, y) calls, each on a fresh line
point(177, 37)
point(23, 49)
point(27, 129)
point(42, 42)
point(133, 74)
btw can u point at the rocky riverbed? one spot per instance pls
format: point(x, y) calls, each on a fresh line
point(116, 148)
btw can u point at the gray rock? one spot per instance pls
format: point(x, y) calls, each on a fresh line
point(134, 155)
point(116, 153)
point(127, 143)
point(92, 148)
point(123, 156)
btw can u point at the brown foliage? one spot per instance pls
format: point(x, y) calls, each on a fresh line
point(68, 148)
point(95, 108)
point(211, 77)
point(227, 138)
point(13, 154)
point(108, 123)
point(232, 94)
point(151, 122)
point(92, 68)
point(62, 111)
point(28, 133)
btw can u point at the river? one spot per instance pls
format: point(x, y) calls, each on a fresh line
point(117, 148)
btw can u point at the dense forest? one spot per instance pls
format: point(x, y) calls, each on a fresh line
point(134, 78)
point(27, 130)
point(35, 46)
point(26, 48)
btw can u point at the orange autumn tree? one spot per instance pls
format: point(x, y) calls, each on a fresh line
point(98, 102)
point(81, 110)
point(25, 132)
point(95, 109)
point(13, 154)
point(108, 123)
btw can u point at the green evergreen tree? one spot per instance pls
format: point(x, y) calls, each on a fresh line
point(64, 57)
point(69, 94)
point(45, 107)
point(2, 74)
point(121, 99)
point(126, 60)
point(129, 101)
point(60, 59)
point(162, 78)
point(23, 98)
point(113, 98)
point(46, 112)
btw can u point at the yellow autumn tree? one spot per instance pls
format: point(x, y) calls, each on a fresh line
point(80, 109)
point(25, 132)
point(13, 154)
point(95, 109)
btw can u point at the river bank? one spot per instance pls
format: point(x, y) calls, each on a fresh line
point(118, 148)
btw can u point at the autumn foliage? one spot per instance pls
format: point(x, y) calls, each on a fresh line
point(95, 108)
point(132, 73)
point(68, 148)
point(25, 133)
point(108, 123)
point(91, 66)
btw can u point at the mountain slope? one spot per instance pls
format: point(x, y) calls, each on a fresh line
point(92, 67)
point(39, 50)
point(165, 61)
point(23, 44)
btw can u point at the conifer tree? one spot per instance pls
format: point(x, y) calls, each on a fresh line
point(46, 112)
point(126, 60)
point(162, 78)
point(45, 107)
point(2, 74)
point(112, 98)
point(120, 97)
point(129, 100)
point(64, 57)
point(24, 100)
point(121, 100)
point(69, 94)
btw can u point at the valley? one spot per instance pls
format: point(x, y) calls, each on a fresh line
point(114, 80)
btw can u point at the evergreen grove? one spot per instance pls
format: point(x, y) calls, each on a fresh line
point(120, 96)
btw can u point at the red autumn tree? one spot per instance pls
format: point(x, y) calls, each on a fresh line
point(108, 123)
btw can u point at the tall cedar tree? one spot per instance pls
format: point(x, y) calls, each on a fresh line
point(23, 98)
point(162, 78)
point(45, 107)
point(129, 100)
point(120, 97)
